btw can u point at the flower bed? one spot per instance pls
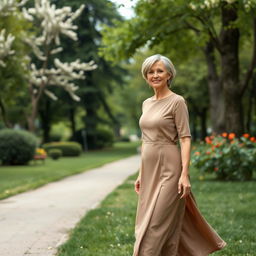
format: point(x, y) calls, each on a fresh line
point(229, 157)
point(40, 154)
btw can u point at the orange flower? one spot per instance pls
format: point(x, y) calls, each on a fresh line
point(208, 152)
point(216, 169)
point(224, 134)
point(246, 135)
point(231, 136)
point(208, 140)
point(197, 153)
point(252, 139)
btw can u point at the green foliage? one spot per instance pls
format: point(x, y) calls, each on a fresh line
point(128, 99)
point(16, 147)
point(95, 90)
point(69, 148)
point(98, 139)
point(13, 76)
point(179, 26)
point(228, 157)
point(105, 138)
point(55, 153)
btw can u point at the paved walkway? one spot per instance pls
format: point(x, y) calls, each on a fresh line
point(38, 221)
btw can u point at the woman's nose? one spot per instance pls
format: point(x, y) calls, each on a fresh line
point(155, 74)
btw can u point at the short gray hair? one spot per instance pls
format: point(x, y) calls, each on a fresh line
point(150, 61)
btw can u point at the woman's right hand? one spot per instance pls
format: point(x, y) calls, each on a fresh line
point(137, 185)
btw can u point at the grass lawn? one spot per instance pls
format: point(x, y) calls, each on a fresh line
point(230, 207)
point(16, 179)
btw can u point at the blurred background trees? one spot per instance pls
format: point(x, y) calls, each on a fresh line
point(212, 44)
point(222, 32)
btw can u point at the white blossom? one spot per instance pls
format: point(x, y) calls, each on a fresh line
point(62, 75)
point(5, 46)
point(209, 4)
point(8, 7)
point(53, 22)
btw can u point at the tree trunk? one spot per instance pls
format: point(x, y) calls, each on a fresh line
point(32, 116)
point(252, 96)
point(229, 40)
point(72, 119)
point(45, 114)
point(194, 126)
point(215, 91)
point(203, 118)
point(3, 113)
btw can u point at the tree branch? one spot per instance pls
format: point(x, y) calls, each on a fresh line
point(190, 26)
point(248, 75)
point(211, 31)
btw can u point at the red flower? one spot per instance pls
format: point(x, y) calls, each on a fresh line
point(252, 139)
point(246, 135)
point(208, 140)
point(231, 136)
point(216, 169)
point(224, 134)
point(197, 153)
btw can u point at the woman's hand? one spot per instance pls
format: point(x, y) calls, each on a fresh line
point(137, 185)
point(184, 185)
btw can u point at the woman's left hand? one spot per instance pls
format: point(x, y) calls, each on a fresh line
point(184, 185)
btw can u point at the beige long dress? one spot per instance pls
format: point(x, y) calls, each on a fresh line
point(165, 224)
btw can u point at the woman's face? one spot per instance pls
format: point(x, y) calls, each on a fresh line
point(158, 76)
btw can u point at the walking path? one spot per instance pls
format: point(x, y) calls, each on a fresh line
point(37, 222)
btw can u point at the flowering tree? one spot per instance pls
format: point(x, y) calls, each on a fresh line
point(53, 23)
point(5, 46)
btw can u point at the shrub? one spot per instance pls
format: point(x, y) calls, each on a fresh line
point(105, 138)
point(97, 139)
point(55, 153)
point(16, 147)
point(55, 137)
point(69, 148)
point(230, 158)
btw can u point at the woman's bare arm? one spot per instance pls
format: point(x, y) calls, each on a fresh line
point(184, 182)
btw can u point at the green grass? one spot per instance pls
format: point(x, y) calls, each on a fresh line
point(17, 179)
point(230, 207)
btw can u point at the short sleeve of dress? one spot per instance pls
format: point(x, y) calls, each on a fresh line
point(181, 118)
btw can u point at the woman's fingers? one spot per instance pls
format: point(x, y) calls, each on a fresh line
point(179, 188)
point(185, 190)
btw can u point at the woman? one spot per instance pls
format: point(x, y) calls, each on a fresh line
point(168, 222)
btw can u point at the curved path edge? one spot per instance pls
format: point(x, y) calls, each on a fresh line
point(38, 221)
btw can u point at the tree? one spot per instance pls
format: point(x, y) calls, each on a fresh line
point(215, 27)
point(98, 85)
point(53, 23)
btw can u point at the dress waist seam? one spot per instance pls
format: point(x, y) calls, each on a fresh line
point(159, 142)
